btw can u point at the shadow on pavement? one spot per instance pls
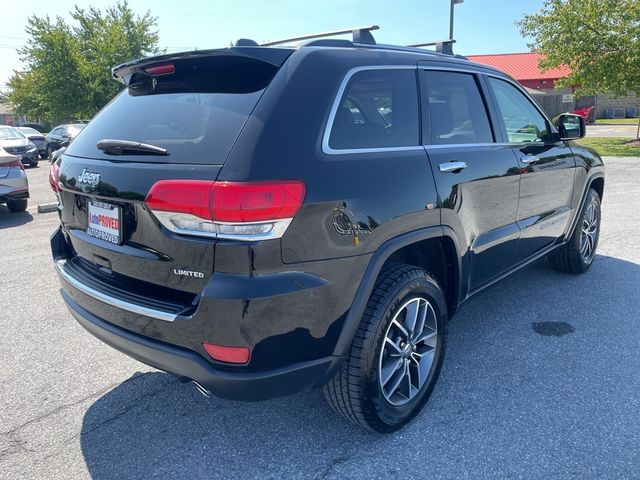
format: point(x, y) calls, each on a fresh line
point(8, 219)
point(505, 393)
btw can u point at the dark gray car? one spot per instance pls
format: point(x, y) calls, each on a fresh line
point(62, 134)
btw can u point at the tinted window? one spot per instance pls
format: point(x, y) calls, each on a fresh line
point(196, 113)
point(521, 118)
point(457, 114)
point(379, 109)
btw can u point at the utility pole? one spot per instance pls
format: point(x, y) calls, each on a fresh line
point(453, 4)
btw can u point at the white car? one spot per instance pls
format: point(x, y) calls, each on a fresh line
point(15, 143)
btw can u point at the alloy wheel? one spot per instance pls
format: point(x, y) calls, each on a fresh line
point(408, 351)
point(589, 235)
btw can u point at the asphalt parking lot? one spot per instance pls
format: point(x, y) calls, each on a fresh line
point(515, 399)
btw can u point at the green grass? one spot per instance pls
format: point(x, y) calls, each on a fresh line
point(613, 146)
point(616, 121)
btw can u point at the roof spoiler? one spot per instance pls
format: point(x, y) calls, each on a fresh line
point(272, 56)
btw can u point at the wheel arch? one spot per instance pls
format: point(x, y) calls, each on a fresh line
point(412, 247)
point(596, 181)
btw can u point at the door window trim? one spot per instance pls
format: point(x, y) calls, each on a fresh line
point(326, 148)
point(485, 90)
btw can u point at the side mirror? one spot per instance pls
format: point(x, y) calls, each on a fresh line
point(65, 143)
point(570, 126)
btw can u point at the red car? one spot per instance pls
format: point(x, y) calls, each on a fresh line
point(585, 113)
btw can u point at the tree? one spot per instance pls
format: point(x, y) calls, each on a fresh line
point(599, 40)
point(68, 68)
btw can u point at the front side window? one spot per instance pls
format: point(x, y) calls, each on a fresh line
point(457, 114)
point(522, 121)
point(379, 109)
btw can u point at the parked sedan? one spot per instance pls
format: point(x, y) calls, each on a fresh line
point(15, 143)
point(38, 139)
point(14, 186)
point(62, 134)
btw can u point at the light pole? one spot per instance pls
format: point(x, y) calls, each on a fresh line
point(453, 4)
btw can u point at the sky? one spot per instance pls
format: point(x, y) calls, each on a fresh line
point(481, 26)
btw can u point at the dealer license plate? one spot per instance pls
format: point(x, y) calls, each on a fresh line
point(104, 222)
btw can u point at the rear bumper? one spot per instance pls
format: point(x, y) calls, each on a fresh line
point(13, 195)
point(248, 386)
point(31, 158)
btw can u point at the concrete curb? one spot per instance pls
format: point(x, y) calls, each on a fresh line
point(47, 207)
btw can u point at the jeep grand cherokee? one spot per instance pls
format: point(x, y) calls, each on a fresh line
point(264, 220)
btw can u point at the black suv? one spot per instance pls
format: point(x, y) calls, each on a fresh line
point(264, 220)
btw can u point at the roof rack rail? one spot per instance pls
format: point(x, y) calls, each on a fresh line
point(360, 35)
point(442, 46)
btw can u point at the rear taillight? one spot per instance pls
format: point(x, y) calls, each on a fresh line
point(231, 210)
point(15, 164)
point(54, 177)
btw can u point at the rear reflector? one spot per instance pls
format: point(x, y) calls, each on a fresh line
point(228, 354)
point(231, 210)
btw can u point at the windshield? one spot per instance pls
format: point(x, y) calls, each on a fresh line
point(28, 131)
point(10, 133)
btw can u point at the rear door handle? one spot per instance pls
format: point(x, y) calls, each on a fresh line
point(529, 159)
point(452, 166)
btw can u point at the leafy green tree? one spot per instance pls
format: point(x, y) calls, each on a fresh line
point(599, 40)
point(68, 67)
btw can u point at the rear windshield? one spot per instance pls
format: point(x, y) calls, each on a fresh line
point(195, 113)
point(10, 133)
point(29, 131)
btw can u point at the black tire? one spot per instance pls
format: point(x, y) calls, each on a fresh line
point(49, 152)
point(355, 391)
point(569, 257)
point(16, 206)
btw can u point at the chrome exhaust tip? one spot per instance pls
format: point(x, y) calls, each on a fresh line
point(201, 389)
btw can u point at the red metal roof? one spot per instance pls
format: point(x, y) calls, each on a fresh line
point(521, 66)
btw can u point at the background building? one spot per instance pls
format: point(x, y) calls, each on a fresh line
point(524, 68)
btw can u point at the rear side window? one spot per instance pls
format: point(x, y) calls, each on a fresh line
point(457, 113)
point(522, 120)
point(196, 112)
point(379, 109)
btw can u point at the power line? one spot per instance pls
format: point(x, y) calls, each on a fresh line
point(13, 38)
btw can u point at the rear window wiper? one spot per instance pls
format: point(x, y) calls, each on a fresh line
point(126, 147)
